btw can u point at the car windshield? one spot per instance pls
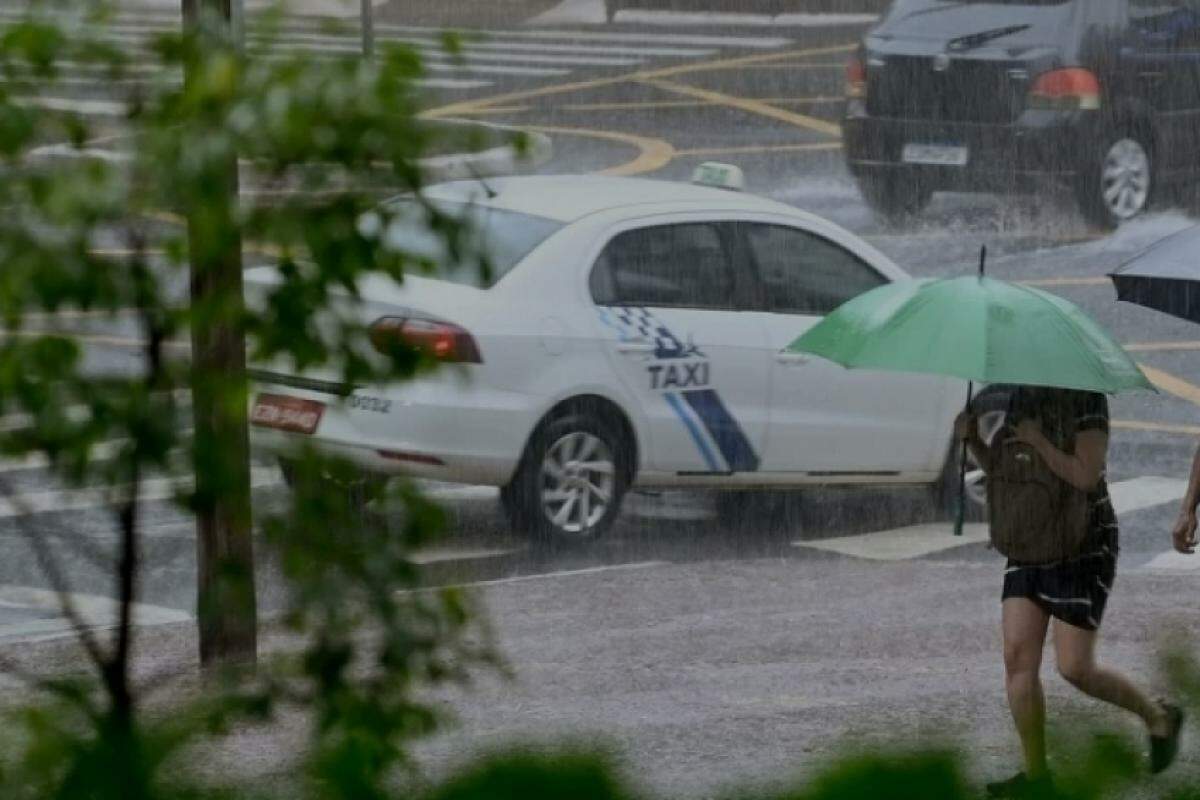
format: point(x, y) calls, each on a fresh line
point(503, 237)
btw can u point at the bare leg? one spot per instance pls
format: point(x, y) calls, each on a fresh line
point(1024, 625)
point(1075, 649)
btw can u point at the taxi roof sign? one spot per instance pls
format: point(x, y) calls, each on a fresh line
point(720, 176)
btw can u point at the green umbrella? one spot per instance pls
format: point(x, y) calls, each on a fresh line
point(975, 328)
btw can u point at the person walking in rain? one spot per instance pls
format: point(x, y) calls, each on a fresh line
point(1051, 514)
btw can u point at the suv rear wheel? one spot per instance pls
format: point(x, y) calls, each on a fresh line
point(1118, 183)
point(570, 484)
point(894, 198)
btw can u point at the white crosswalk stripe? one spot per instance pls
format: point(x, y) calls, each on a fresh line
point(915, 541)
point(482, 58)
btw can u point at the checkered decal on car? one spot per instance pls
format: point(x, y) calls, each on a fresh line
point(640, 323)
point(719, 438)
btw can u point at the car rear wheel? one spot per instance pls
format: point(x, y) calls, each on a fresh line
point(570, 484)
point(1118, 184)
point(894, 198)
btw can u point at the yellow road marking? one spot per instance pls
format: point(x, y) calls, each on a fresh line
point(468, 106)
point(750, 106)
point(766, 148)
point(797, 65)
point(1155, 427)
point(654, 153)
point(1172, 384)
point(653, 105)
point(1161, 347)
point(1045, 283)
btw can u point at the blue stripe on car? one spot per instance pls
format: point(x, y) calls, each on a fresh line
point(694, 429)
point(724, 429)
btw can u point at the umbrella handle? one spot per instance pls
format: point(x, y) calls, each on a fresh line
point(961, 512)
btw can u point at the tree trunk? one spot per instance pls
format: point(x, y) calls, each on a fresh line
point(226, 603)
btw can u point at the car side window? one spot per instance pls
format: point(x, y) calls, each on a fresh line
point(803, 273)
point(1167, 25)
point(683, 266)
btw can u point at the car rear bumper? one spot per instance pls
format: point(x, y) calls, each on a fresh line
point(465, 437)
point(1041, 147)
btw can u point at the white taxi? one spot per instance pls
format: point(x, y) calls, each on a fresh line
point(632, 334)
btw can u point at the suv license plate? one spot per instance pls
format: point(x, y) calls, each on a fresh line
point(936, 154)
point(291, 414)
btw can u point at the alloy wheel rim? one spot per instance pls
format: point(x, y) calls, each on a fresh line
point(1126, 179)
point(577, 479)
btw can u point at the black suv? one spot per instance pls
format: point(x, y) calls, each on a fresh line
point(1100, 95)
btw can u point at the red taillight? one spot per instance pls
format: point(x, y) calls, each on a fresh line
point(856, 78)
point(443, 341)
point(1066, 89)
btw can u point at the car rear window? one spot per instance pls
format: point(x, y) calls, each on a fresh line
point(503, 237)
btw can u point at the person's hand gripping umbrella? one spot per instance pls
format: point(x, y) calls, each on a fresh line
point(976, 328)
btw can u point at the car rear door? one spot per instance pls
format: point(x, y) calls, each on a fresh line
point(826, 419)
point(666, 298)
point(1162, 55)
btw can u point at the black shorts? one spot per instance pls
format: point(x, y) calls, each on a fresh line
point(1074, 591)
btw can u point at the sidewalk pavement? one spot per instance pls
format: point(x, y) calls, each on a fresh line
point(705, 676)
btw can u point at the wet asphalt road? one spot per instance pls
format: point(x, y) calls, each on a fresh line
point(660, 117)
point(703, 655)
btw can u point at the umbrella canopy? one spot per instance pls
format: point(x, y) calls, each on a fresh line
point(974, 328)
point(1166, 277)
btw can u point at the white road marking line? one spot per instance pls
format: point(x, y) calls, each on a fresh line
point(442, 555)
point(153, 490)
point(97, 613)
point(1170, 561)
point(900, 544)
point(1145, 492)
point(568, 573)
point(451, 83)
point(592, 12)
point(916, 541)
point(89, 108)
point(170, 23)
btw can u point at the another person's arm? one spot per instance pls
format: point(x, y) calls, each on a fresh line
point(1084, 469)
point(967, 427)
point(1184, 534)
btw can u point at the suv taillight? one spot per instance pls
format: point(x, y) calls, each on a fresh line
point(1071, 89)
point(856, 79)
point(442, 341)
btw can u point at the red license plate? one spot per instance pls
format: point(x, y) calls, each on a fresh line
point(290, 414)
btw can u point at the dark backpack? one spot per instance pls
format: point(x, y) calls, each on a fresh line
point(1036, 517)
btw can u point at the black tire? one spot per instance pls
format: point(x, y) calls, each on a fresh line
point(1123, 162)
point(895, 198)
point(356, 492)
point(991, 401)
point(532, 500)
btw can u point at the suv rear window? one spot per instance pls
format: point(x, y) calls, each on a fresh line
point(906, 6)
point(505, 237)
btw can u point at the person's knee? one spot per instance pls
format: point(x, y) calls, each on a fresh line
point(1021, 658)
point(1076, 670)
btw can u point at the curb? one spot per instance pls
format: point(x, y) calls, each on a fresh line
point(502, 160)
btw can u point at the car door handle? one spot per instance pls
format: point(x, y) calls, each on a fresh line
point(1152, 77)
point(635, 347)
point(792, 359)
